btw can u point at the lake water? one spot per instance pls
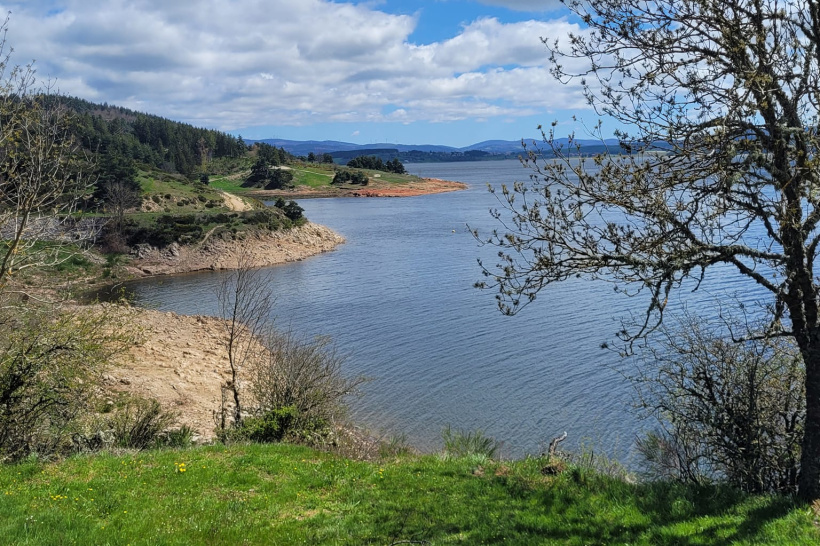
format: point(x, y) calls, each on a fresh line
point(399, 299)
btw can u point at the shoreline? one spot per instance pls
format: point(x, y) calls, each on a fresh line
point(263, 250)
point(425, 186)
point(180, 360)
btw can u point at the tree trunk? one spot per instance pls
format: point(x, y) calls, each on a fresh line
point(809, 481)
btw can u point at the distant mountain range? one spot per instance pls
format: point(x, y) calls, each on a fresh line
point(493, 147)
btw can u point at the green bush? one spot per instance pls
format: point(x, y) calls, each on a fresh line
point(272, 426)
point(166, 229)
point(177, 438)
point(298, 389)
point(50, 361)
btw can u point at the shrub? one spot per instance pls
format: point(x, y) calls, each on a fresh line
point(344, 177)
point(272, 426)
point(177, 438)
point(167, 229)
point(727, 409)
point(140, 424)
point(50, 362)
point(293, 211)
point(305, 378)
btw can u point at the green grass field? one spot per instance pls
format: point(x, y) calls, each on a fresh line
point(315, 177)
point(224, 183)
point(285, 494)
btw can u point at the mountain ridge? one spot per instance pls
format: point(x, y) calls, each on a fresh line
point(503, 147)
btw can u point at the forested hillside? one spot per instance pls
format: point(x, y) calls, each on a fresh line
point(154, 141)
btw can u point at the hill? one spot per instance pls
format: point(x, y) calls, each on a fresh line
point(418, 153)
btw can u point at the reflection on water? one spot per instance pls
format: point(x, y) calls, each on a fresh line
point(399, 299)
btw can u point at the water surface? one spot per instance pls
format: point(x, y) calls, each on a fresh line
point(399, 299)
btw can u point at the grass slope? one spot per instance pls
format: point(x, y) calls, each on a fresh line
point(314, 177)
point(284, 494)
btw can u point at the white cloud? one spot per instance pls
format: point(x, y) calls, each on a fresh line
point(245, 63)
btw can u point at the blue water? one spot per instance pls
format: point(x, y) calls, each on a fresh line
point(398, 298)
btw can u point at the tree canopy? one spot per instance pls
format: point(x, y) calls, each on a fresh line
point(376, 163)
point(718, 101)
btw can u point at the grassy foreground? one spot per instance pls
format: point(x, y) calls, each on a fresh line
point(285, 494)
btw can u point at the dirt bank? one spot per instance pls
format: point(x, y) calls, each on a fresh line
point(178, 360)
point(264, 249)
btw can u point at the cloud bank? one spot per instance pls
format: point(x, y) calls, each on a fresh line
point(243, 63)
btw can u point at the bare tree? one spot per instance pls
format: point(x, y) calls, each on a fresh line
point(42, 178)
point(725, 94)
point(245, 303)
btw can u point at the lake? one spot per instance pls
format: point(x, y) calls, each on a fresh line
point(399, 299)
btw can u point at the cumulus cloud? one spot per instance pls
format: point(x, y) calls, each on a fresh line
point(287, 62)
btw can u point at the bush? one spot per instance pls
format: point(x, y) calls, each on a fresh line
point(167, 229)
point(299, 383)
point(50, 362)
point(141, 423)
point(272, 426)
point(731, 410)
point(177, 438)
point(345, 177)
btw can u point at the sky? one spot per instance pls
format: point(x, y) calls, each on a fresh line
point(449, 72)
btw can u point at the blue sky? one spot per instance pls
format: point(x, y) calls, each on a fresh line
point(450, 72)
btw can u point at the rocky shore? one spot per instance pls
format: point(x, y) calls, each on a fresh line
point(180, 360)
point(263, 249)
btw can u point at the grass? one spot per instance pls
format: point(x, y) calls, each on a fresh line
point(314, 176)
point(284, 494)
point(176, 194)
point(229, 184)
